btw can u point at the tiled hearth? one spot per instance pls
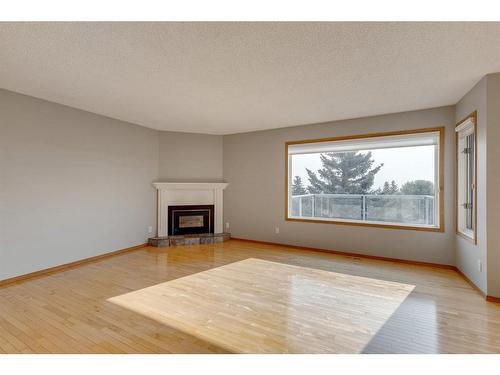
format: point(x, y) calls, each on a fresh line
point(189, 239)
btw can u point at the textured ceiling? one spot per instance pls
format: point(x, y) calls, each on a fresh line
point(223, 78)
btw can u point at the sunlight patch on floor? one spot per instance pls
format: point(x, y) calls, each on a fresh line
point(258, 306)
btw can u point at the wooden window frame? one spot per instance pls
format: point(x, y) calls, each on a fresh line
point(441, 221)
point(473, 117)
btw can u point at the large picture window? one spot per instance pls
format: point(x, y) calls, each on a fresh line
point(388, 179)
point(466, 177)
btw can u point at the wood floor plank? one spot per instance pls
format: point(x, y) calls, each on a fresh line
point(75, 311)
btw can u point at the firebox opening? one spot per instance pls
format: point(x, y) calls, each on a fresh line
point(191, 219)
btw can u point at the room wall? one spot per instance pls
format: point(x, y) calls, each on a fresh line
point(254, 200)
point(75, 184)
point(469, 254)
point(72, 184)
point(190, 157)
point(493, 184)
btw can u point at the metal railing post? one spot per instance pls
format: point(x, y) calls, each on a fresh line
point(426, 210)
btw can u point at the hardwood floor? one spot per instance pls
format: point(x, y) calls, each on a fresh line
point(257, 306)
point(156, 301)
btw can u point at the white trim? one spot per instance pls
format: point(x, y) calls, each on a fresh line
point(469, 233)
point(466, 127)
point(190, 185)
point(186, 193)
point(463, 130)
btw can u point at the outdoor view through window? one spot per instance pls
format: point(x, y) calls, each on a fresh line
point(388, 179)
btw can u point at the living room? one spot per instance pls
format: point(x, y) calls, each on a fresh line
point(249, 187)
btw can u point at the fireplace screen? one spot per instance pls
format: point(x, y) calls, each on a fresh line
point(192, 219)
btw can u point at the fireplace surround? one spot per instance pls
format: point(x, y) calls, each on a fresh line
point(186, 194)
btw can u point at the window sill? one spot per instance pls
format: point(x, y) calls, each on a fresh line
point(468, 235)
point(367, 224)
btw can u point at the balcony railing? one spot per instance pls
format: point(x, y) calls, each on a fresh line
point(404, 209)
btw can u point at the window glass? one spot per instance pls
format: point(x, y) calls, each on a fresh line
point(391, 179)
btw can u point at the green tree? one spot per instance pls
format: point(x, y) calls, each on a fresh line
point(394, 187)
point(418, 187)
point(389, 188)
point(297, 186)
point(343, 173)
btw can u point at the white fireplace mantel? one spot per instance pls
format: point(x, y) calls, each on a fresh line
point(185, 193)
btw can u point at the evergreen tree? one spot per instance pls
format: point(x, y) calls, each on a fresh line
point(418, 187)
point(394, 187)
point(297, 186)
point(388, 188)
point(343, 173)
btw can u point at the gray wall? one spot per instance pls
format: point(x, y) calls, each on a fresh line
point(254, 199)
point(484, 98)
point(467, 253)
point(72, 184)
point(493, 184)
point(190, 157)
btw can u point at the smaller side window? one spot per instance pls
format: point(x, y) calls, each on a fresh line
point(466, 177)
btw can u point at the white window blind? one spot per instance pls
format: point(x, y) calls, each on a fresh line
point(372, 143)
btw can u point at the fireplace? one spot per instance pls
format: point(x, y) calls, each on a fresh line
point(171, 194)
point(190, 219)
